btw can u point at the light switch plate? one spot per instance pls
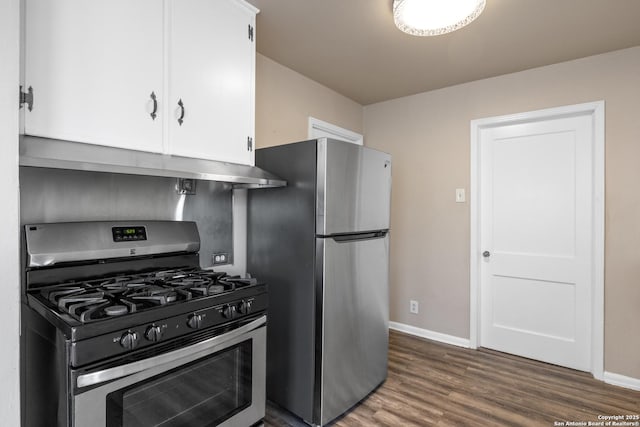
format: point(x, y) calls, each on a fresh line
point(460, 196)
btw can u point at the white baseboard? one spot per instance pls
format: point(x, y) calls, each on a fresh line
point(425, 333)
point(621, 380)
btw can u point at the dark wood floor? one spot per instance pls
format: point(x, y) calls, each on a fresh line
point(430, 383)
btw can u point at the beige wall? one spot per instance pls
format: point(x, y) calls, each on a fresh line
point(428, 136)
point(285, 99)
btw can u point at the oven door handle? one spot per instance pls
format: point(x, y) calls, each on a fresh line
point(110, 374)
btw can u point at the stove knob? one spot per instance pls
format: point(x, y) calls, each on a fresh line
point(244, 307)
point(129, 340)
point(228, 311)
point(153, 333)
point(194, 321)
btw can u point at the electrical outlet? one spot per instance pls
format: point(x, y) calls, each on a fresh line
point(220, 258)
point(413, 306)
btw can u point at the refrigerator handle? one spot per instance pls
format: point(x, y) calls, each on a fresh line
point(354, 237)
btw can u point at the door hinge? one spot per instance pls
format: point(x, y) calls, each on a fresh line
point(250, 32)
point(26, 98)
point(249, 143)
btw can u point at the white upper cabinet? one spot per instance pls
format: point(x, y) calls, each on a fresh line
point(211, 71)
point(172, 76)
point(93, 67)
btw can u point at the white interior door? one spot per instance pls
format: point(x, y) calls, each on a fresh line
point(536, 197)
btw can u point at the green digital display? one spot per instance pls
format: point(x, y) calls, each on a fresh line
point(128, 234)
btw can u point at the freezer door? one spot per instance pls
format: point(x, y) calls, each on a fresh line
point(355, 321)
point(353, 188)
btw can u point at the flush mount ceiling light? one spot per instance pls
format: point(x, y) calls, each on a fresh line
point(435, 17)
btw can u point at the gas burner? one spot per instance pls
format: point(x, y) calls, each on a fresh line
point(100, 310)
point(116, 310)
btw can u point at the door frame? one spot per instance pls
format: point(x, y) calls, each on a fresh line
point(596, 111)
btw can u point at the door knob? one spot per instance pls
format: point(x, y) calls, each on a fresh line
point(486, 254)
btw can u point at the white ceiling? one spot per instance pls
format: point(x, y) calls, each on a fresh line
point(353, 47)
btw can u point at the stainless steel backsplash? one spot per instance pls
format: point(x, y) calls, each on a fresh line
point(58, 195)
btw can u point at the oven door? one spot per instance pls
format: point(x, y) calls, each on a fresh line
point(217, 381)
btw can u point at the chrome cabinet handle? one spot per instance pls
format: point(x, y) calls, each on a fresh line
point(486, 254)
point(181, 118)
point(155, 106)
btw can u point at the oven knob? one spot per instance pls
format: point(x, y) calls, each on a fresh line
point(244, 307)
point(129, 340)
point(228, 311)
point(194, 321)
point(153, 333)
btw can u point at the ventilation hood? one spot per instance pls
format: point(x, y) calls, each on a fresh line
point(58, 154)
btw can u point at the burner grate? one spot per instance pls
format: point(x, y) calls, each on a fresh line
point(104, 298)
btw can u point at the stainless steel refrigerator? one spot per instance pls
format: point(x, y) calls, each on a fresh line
point(322, 246)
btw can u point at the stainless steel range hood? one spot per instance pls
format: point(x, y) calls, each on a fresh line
point(57, 154)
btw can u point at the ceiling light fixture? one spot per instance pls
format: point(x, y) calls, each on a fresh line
point(435, 17)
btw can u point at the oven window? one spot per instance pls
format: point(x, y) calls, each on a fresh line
point(202, 393)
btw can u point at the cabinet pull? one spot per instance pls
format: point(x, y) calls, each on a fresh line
point(155, 106)
point(181, 118)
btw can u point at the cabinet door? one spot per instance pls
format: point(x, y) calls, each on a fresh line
point(211, 72)
point(93, 66)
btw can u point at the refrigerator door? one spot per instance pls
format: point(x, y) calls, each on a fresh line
point(353, 188)
point(353, 303)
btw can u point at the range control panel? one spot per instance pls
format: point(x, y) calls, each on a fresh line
point(127, 234)
point(146, 335)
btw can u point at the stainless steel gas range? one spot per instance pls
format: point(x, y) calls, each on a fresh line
point(120, 327)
